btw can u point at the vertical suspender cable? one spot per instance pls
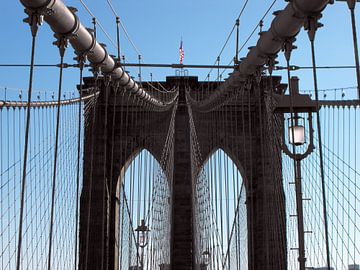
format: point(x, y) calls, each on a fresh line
point(125, 153)
point(235, 176)
point(243, 146)
point(111, 167)
point(107, 86)
point(226, 173)
point(61, 43)
point(221, 172)
point(313, 24)
point(351, 4)
point(263, 167)
point(251, 181)
point(121, 185)
point(111, 182)
point(299, 206)
point(81, 67)
point(355, 161)
point(92, 143)
point(34, 20)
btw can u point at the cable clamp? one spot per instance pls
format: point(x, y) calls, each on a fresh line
point(288, 47)
point(312, 24)
point(62, 42)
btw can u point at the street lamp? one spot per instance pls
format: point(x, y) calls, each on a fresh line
point(296, 124)
point(143, 238)
point(205, 260)
point(295, 104)
point(143, 234)
point(296, 130)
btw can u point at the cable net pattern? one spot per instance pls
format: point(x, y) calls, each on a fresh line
point(146, 195)
point(220, 214)
point(340, 148)
point(38, 188)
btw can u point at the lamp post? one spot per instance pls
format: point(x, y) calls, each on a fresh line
point(295, 104)
point(205, 260)
point(143, 238)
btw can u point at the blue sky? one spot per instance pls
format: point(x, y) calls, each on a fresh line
point(156, 28)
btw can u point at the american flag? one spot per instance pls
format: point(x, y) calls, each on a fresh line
point(181, 52)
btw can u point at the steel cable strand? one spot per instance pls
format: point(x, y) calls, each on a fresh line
point(316, 217)
point(222, 89)
point(229, 36)
point(45, 104)
point(118, 23)
point(318, 223)
point(105, 193)
point(197, 150)
point(34, 27)
point(312, 43)
point(340, 192)
point(110, 186)
point(62, 42)
point(253, 31)
point(92, 144)
point(236, 180)
point(80, 112)
point(273, 129)
point(259, 101)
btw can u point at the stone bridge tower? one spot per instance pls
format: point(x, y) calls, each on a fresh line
point(252, 146)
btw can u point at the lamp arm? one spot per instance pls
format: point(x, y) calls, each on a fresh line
point(311, 146)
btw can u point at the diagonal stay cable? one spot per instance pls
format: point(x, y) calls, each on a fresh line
point(98, 23)
point(229, 36)
point(253, 31)
point(123, 27)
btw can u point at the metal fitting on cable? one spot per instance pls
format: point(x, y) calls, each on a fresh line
point(312, 24)
point(62, 43)
point(107, 80)
point(34, 20)
point(62, 40)
point(351, 4)
point(81, 60)
point(36, 14)
point(271, 62)
point(289, 47)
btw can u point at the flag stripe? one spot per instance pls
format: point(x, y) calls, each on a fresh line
point(181, 52)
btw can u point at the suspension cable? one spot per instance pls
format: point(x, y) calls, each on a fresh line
point(81, 68)
point(61, 43)
point(253, 32)
point(313, 25)
point(34, 20)
point(95, 20)
point(229, 36)
point(105, 160)
point(90, 189)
